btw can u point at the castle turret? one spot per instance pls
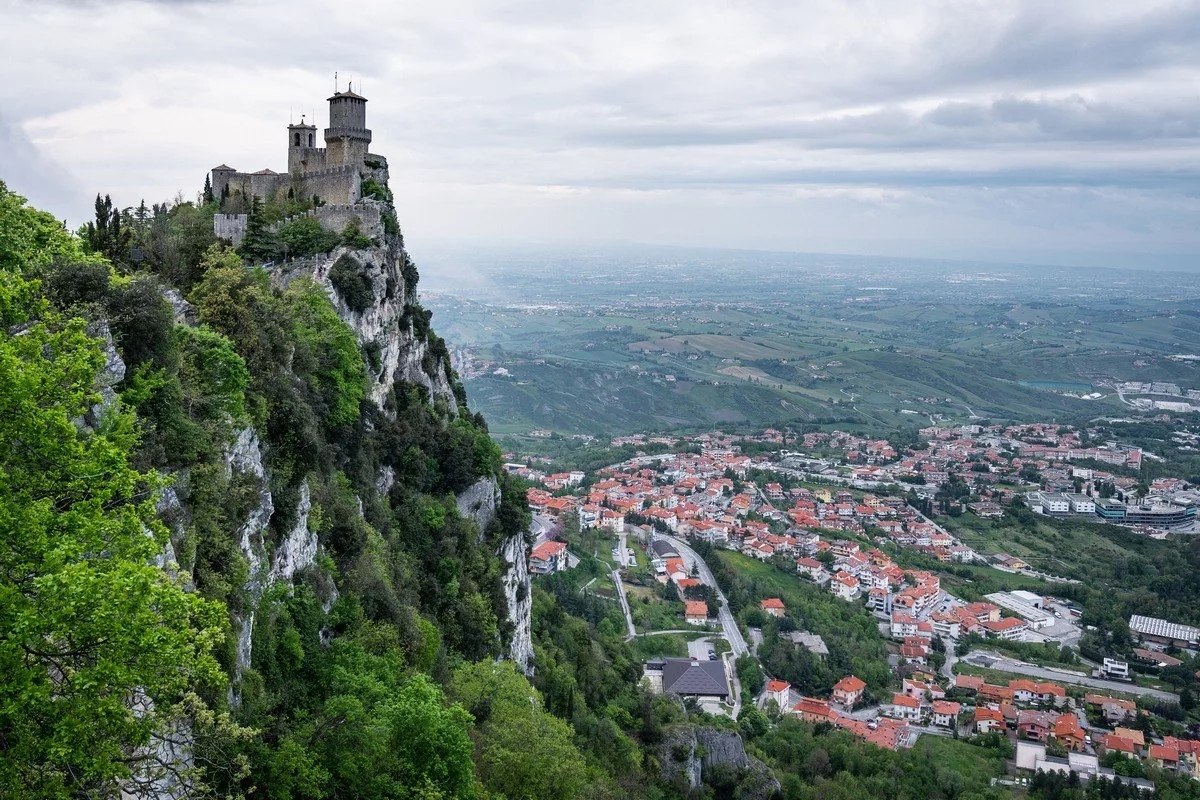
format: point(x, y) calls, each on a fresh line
point(221, 178)
point(347, 137)
point(303, 153)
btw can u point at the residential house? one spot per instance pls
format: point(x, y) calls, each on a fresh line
point(945, 626)
point(780, 692)
point(812, 568)
point(844, 585)
point(773, 606)
point(848, 691)
point(1113, 709)
point(1118, 744)
point(988, 720)
point(904, 707)
point(1035, 725)
point(1067, 731)
point(945, 713)
point(1164, 757)
point(1009, 628)
point(695, 612)
point(810, 709)
point(968, 683)
point(548, 557)
point(1136, 737)
point(811, 642)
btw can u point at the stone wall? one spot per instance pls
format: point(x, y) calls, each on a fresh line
point(231, 227)
point(339, 185)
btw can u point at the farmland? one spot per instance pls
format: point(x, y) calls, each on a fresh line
point(592, 344)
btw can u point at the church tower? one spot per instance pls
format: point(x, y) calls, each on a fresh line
point(347, 137)
point(302, 145)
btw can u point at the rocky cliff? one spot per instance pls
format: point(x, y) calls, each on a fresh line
point(373, 289)
point(696, 754)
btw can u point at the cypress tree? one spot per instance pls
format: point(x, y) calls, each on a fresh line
point(259, 243)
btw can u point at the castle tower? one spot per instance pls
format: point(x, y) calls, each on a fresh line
point(221, 177)
point(302, 147)
point(347, 137)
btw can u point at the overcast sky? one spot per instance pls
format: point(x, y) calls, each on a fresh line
point(1053, 132)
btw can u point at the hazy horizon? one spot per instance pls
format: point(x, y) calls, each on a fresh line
point(1011, 132)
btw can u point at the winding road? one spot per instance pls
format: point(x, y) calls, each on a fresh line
point(737, 644)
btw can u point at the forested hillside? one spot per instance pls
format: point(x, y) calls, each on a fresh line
point(251, 540)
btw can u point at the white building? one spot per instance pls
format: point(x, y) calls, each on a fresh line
point(1112, 668)
point(1082, 504)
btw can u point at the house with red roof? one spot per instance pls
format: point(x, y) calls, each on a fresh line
point(1164, 757)
point(780, 692)
point(695, 612)
point(844, 585)
point(903, 707)
point(810, 709)
point(548, 557)
point(1008, 628)
point(1118, 744)
point(1034, 725)
point(773, 606)
point(988, 720)
point(945, 713)
point(1067, 731)
point(848, 691)
point(968, 683)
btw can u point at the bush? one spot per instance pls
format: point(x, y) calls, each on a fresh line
point(306, 237)
point(352, 283)
point(71, 284)
point(352, 236)
point(372, 188)
point(141, 321)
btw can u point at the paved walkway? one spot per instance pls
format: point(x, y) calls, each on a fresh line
point(616, 579)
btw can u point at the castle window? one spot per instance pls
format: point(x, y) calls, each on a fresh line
point(310, 140)
point(296, 140)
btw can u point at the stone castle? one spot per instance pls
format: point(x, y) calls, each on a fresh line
point(332, 174)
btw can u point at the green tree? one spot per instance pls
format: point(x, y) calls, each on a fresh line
point(88, 623)
point(106, 235)
point(259, 244)
point(523, 751)
point(306, 237)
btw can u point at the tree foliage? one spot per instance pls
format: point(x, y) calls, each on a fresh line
point(88, 623)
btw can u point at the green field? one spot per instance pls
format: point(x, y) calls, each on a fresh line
point(693, 345)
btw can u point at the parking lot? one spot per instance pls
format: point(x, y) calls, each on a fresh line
point(700, 648)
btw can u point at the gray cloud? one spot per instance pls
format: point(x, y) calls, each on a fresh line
point(759, 121)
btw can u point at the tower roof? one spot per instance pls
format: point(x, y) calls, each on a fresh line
point(347, 95)
point(224, 168)
point(302, 124)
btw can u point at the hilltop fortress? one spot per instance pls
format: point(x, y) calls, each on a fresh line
point(332, 176)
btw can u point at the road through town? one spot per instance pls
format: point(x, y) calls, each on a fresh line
point(737, 644)
point(996, 661)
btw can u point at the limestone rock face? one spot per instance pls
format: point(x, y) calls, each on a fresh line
point(244, 459)
point(107, 379)
point(479, 502)
point(385, 325)
point(298, 550)
point(693, 752)
point(519, 596)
